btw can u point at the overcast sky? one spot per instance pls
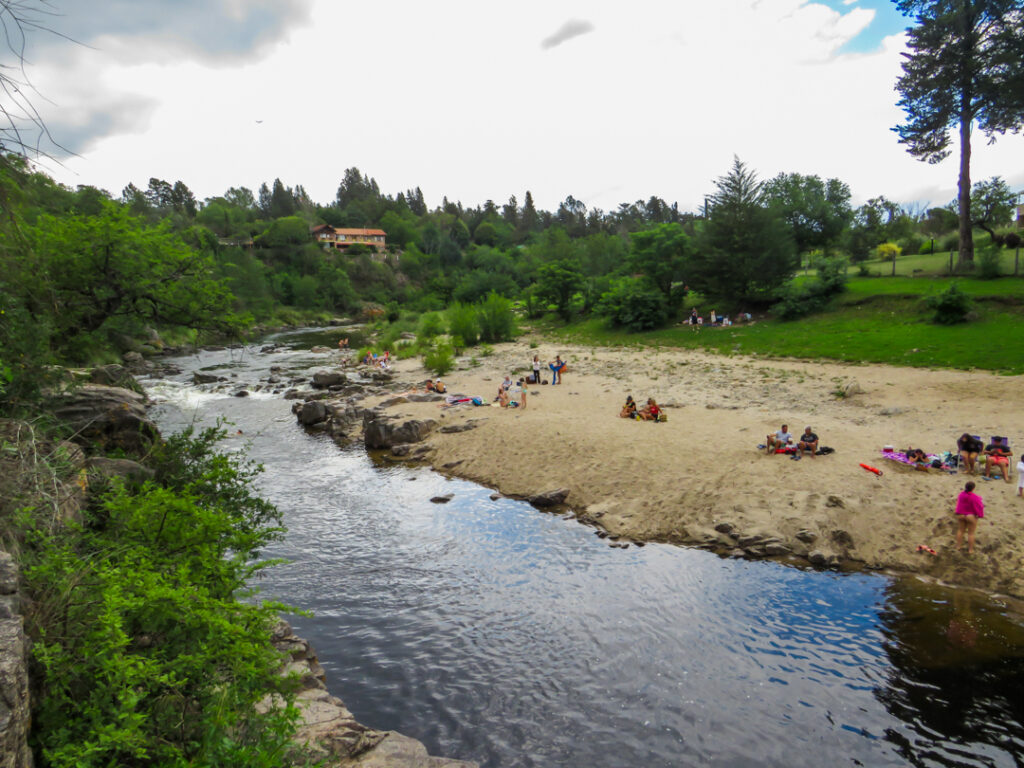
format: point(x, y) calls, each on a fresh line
point(604, 101)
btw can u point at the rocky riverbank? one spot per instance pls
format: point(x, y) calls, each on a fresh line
point(108, 414)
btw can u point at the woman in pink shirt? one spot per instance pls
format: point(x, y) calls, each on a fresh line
point(969, 510)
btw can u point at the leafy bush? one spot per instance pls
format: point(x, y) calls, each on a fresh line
point(913, 243)
point(926, 247)
point(798, 301)
point(950, 307)
point(633, 303)
point(988, 261)
point(440, 359)
point(950, 242)
point(431, 325)
point(462, 322)
point(495, 318)
point(1012, 240)
point(145, 656)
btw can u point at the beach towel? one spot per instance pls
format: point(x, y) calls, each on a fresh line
point(901, 457)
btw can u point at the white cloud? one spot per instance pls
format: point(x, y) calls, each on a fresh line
point(654, 100)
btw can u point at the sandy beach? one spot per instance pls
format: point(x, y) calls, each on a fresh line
point(699, 479)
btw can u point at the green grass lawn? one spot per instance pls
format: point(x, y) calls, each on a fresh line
point(879, 320)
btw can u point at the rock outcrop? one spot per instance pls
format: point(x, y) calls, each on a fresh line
point(381, 432)
point(110, 417)
point(15, 707)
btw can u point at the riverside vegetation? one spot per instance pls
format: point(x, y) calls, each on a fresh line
point(145, 650)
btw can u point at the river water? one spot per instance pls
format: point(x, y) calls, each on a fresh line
point(494, 632)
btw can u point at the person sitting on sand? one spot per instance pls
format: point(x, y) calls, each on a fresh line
point(780, 439)
point(969, 447)
point(629, 409)
point(808, 442)
point(651, 411)
point(997, 454)
point(969, 510)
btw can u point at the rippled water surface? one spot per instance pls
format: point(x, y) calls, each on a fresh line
point(496, 633)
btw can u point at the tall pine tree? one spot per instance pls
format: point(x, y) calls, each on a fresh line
point(965, 66)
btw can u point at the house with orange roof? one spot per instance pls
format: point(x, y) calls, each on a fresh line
point(342, 239)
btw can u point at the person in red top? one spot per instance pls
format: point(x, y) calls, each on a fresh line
point(651, 411)
point(969, 510)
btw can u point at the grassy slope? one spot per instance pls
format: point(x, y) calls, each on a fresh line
point(878, 320)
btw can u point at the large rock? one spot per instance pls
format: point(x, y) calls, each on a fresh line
point(313, 412)
point(325, 379)
point(14, 697)
point(112, 417)
point(380, 432)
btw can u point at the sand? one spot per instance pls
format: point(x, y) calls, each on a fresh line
point(677, 481)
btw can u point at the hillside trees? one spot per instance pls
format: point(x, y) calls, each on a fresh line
point(744, 251)
point(965, 67)
point(661, 255)
point(817, 211)
point(81, 274)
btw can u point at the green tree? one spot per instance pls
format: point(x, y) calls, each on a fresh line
point(661, 255)
point(992, 205)
point(635, 304)
point(744, 251)
point(557, 283)
point(817, 211)
point(85, 271)
point(965, 68)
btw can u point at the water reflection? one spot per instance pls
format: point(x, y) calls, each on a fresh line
point(495, 633)
point(957, 678)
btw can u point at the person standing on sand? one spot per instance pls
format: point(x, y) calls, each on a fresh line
point(556, 369)
point(536, 369)
point(1020, 477)
point(969, 510)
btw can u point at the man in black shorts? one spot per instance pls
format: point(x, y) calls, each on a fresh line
point(808, 442)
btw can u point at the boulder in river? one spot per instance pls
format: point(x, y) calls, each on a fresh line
point(549, 498)
point(380, 432)
point(312, 412)
point(325, 379)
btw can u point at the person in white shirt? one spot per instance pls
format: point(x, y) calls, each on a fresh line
point(780, 439)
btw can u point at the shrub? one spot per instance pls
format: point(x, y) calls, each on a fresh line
point(495, 318)
point(950, 242)
point(462, 322)
point(1012, 240)
point(798, 301)
point(440, 358)
point(431, 325)
point(144, 654)
point(988, 261)
point(913, 243)
point(950, 307)
point(635, 304)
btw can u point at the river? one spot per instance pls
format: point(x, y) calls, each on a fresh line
point(494, 632)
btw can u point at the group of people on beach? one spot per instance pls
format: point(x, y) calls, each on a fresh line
point(997, 456)
point(557, 366)
point(512, 394)
point(650, 412)
point(782, 442)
